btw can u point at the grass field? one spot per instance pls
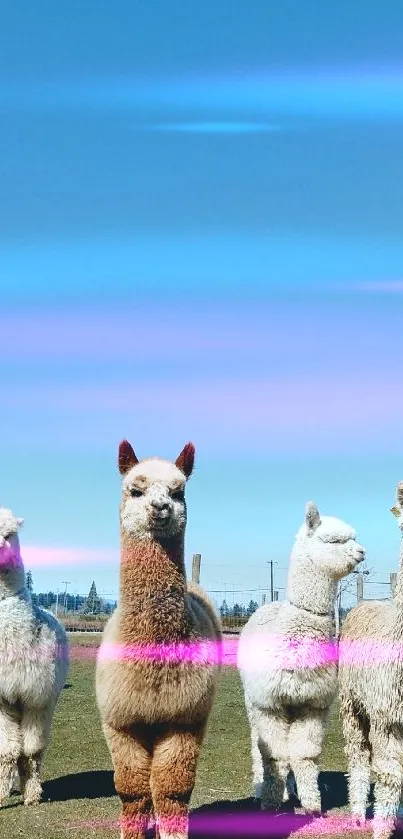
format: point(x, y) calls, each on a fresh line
point(79, 797)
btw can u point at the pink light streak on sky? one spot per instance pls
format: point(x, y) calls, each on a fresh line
point(35, 556)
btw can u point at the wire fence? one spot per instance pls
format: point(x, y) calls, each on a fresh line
point(235, 604)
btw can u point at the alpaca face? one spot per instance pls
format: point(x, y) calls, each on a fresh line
point(11, 567)
point(9, 542)
point(330, 544)
point(153, 501)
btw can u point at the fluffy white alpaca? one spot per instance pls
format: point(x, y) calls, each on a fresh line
point(371, 700)
point(33, 668)
point(288, 664)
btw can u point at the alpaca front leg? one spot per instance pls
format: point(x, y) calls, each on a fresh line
point(274, 788)
point(273, 732)
point(357, 749)
point(257, 762)
point(388, 785)
point(10, 745)
point(131, 758)
point(173, 775)
point(35, 732)
point(30, 780)
point(305, 742)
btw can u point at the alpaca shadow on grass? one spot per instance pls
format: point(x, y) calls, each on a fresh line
point(333, 790)
point(245, 818)
point(215, 819)
point(80, 785)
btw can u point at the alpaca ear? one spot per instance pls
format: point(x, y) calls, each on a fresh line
point(126, 458)
point(312, 516)
point(185, 461)
point(397, 508)
point(20, 522)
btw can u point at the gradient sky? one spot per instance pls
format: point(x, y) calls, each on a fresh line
point(201, 238)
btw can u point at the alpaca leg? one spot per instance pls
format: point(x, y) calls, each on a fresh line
point(257, 762)
point(10, 745)
point(388, 769)
point(273, 746)
point(35, 732)
point(173, 775)
point(276, 788)
point(357, 749)
point(305, 743)
point(131, 758)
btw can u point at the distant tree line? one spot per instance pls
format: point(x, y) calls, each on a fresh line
point(90, 605)
point(237, 610)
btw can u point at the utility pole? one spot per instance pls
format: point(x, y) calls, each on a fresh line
point(65, 583)
point(196, 568)
point(270, 562)
point(57, 602)
point(393, 582)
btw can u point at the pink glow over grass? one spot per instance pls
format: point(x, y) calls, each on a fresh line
point(255, 823)
point(257, 656)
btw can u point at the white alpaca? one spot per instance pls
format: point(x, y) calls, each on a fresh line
point(33, 668)
point(288, 663)
point(371, 700)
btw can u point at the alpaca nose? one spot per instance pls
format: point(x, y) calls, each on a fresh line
point(360, 553)
point(158, 505)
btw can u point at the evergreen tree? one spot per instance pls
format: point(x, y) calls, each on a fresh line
point(29, 581)
point(224, 610)
point(93, 604)
point(251, 608)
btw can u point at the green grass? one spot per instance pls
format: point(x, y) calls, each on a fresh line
point(77, 763)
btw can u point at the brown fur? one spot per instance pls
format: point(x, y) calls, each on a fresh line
point(154, 713)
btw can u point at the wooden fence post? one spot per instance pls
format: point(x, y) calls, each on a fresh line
point(196, 568)
point(393, 581)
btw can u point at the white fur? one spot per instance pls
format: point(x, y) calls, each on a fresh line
point(287, 705)
point(33, 668)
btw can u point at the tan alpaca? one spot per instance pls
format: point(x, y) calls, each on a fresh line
point(371, 701)
point(154, 712)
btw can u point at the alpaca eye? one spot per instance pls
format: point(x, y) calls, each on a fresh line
point(179, 495)
point(136, 493)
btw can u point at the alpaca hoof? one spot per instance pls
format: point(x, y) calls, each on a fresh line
point(358, 820)
point(33, 797)
point(383, 827)
point(257, 792)
point(313, 811)
point(269, 807)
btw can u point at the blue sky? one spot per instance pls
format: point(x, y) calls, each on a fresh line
point(201, 238)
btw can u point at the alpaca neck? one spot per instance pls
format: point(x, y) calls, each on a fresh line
point(398, 628)
point(310, 590)
point(12, 579)
point(152, 602)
